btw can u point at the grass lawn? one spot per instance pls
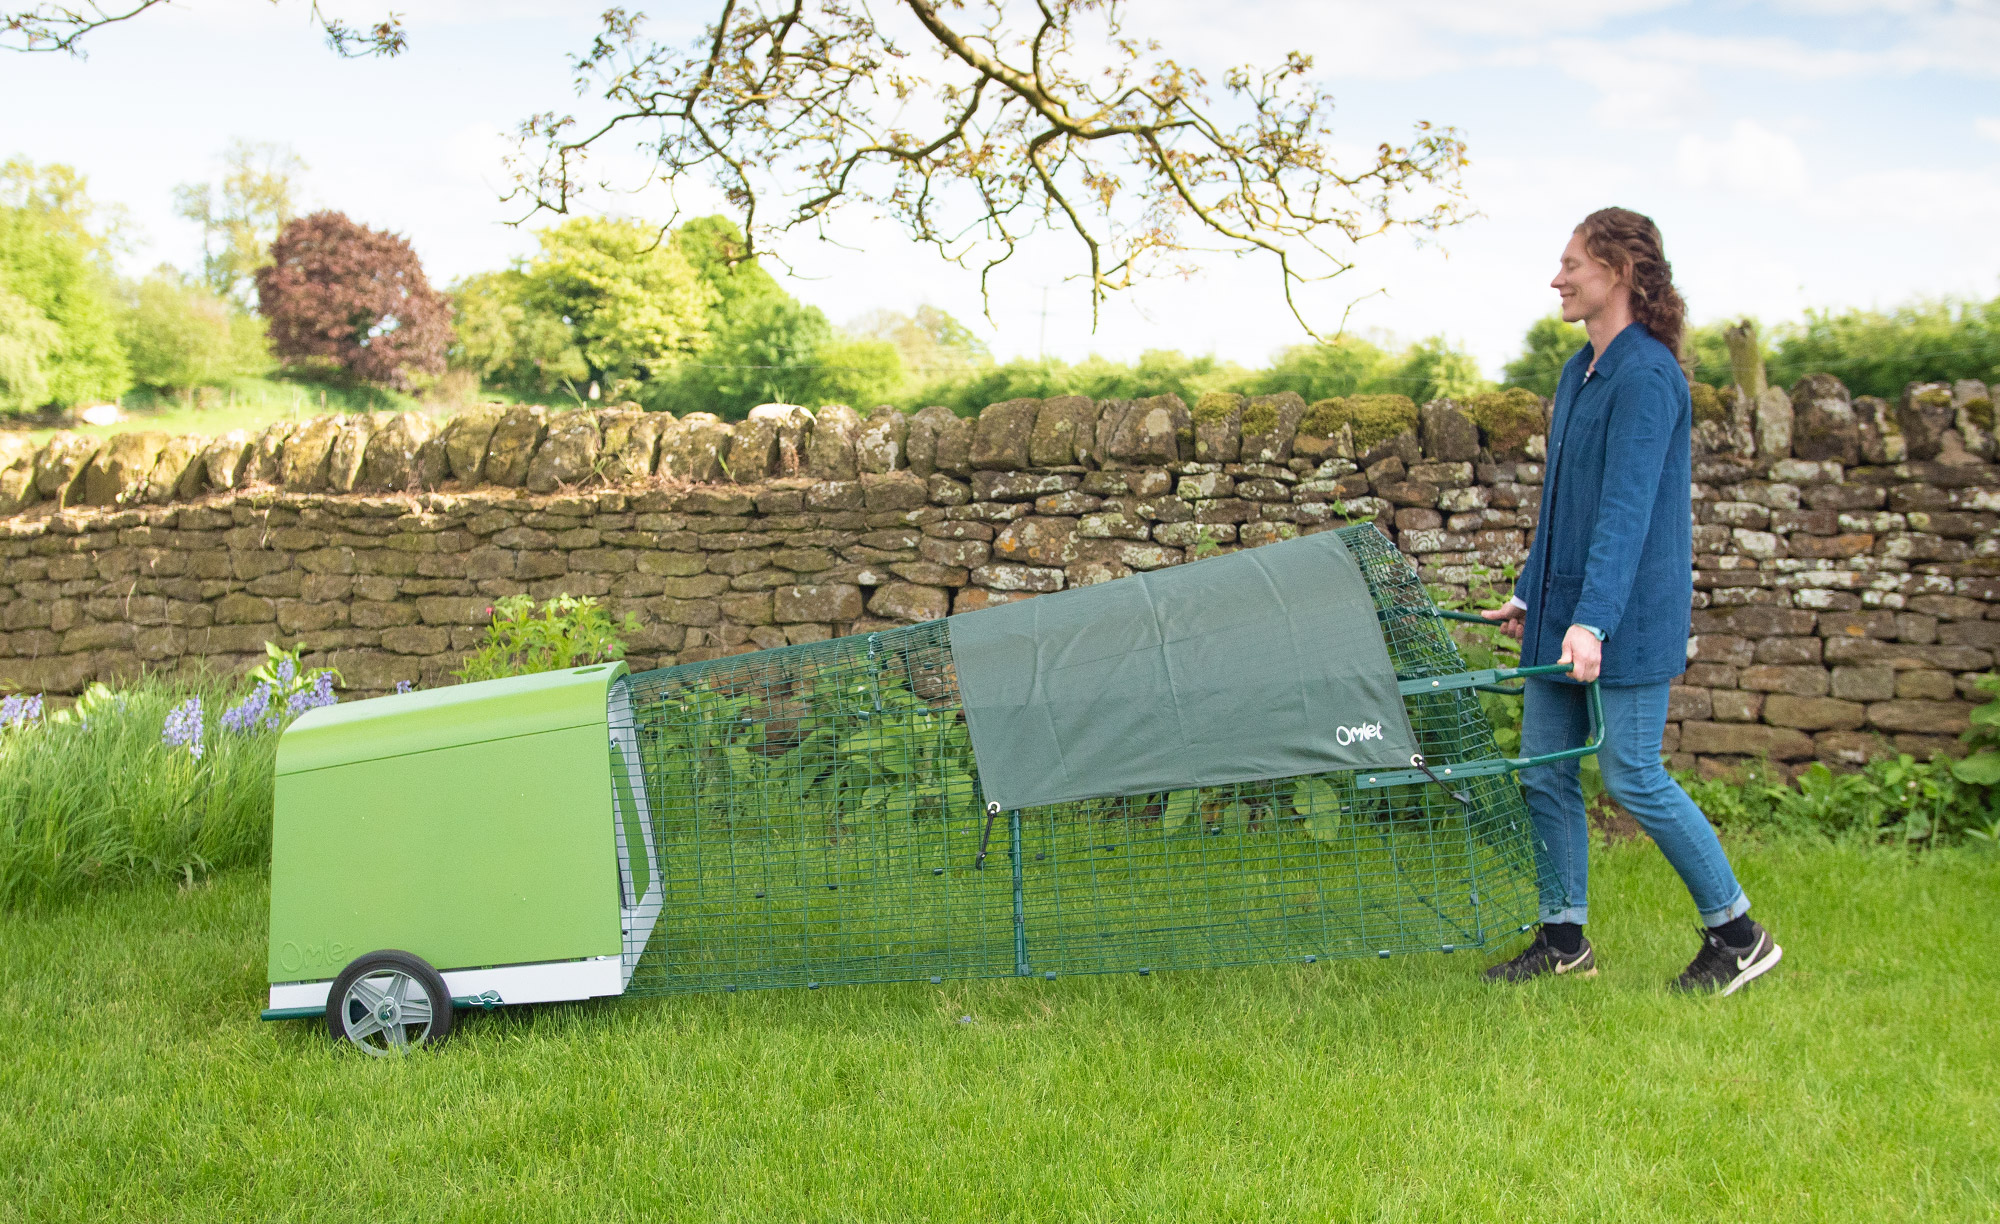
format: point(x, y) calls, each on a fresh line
point(249, 404)
point(1861, 1081)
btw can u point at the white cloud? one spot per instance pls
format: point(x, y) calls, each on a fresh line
point(1987, 126)
point(1753, 160)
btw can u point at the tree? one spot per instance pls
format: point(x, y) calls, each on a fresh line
point(180, 335)
point(53, 274)
point(975, 133)
point(27, 340)
point(637, 307)
point(63, 26)
point(508, 345)
point(258, 197)
point(763, 345)
point(932, 343)
point(774, 349)
point(1433, 369)
point(1550, 343)
point(1347, 366)
point(61, 198)
point(340, 292)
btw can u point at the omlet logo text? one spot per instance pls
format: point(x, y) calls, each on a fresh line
point(1354, 735)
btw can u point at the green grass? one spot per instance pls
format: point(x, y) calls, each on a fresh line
point(103, 801)
point(1860, 1082)
point(246, 403)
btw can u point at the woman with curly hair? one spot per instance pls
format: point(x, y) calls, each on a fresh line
point(1607, 588)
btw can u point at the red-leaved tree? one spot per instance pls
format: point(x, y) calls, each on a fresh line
point(356, 296)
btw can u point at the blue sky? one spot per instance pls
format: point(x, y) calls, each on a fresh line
point(1802, 153)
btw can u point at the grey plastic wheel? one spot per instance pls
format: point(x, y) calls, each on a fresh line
point(389, 1002)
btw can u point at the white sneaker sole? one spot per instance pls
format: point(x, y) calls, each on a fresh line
point(1756, 970)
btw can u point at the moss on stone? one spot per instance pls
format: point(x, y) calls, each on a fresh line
point(1260, 417)
point(1708, 405)
point(1375, 418)
point(1936, 397)
point(1980, 409)
point(1323, 418)
point(1506, 419)
point(1216, 406)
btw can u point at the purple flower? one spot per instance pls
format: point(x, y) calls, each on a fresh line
point(286, 671)
point(244, 717)
point(183, 727)
point(15, 711)
point(404, 686)
point(320, 694)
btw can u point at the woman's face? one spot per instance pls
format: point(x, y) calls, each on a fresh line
point(1585, 285)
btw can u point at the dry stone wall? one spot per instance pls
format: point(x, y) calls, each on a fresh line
point(1847, 566)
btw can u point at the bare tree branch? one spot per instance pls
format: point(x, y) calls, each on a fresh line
point(61, 27)
point(976, 130)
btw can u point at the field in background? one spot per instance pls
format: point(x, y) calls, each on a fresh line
point(251, 404)
point(1860, 1082)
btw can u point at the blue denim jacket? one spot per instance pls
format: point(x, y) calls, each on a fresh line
point(1614, 546)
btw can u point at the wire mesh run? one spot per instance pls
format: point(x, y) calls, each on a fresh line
point(815, 819)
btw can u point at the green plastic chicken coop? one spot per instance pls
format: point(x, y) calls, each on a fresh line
point(1271, 755)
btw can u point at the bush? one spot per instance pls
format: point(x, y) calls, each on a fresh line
point(1880, 352)
point(356, 297)
point(180, 336)
point(1895, 799)
point(567, 632)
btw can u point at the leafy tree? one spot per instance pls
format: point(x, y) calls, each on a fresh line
point(763, 345)
point(61, 198)
point(716, 250)
point(27, 340)
point(52, 272)
point(1549, 344)
point(339, 292)
point(1067, 122)
point(931, 342)
point(258, 197)
point(1346, 366)
point(180, 335)
point(508, 345)
point(636, 306)
point(1433, 369)
point(777, 350)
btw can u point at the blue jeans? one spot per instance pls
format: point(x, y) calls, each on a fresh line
point(1558, 717)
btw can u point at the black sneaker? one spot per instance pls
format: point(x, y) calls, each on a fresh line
point(1540, 959)
point(1723, 969)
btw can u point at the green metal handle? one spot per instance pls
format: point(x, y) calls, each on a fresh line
point(1470, 618)
point(1423, 772)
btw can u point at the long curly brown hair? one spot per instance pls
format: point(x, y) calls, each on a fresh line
point(1629, 244)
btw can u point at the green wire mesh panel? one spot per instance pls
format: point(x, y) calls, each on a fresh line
point(817, 820)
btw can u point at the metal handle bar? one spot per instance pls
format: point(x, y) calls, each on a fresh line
point(1470, 618)
point(1486, 681)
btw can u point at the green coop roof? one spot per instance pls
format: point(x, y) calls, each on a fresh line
point(446, 717)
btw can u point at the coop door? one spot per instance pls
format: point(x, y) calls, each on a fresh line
point(639, 891)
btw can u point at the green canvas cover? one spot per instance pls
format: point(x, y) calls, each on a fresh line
point(1265, 663)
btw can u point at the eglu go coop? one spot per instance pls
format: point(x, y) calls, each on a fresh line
point(1271, 755)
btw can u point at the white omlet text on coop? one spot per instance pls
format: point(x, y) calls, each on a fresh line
point(1354, 735)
